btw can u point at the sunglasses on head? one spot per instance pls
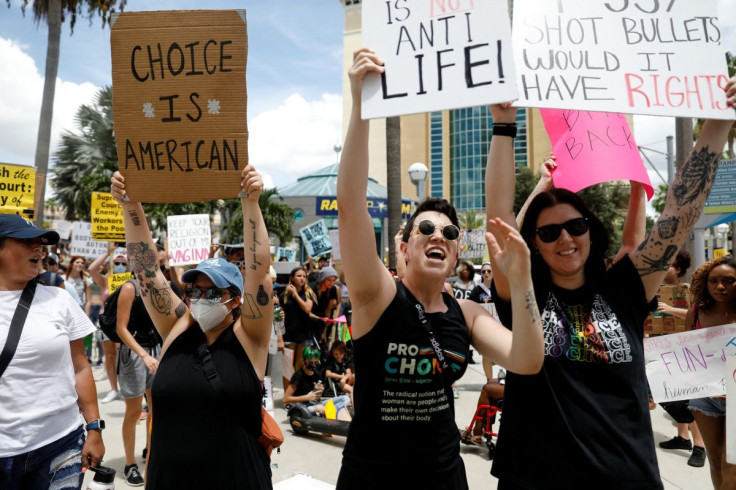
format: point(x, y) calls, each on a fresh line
point(449, 232)
point(213, 295)
point(575, 227)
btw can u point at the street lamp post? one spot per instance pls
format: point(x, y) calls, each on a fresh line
point(418, 176)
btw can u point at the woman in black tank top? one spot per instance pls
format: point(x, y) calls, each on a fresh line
point(411, 339)
point(206, 432)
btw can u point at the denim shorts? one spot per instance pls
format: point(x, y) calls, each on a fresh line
point(712, 407)
point(134, 378)
point(55, 466)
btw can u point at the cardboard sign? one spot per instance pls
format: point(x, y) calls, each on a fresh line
point(114, 281)
point(17, 185)
point(315, 237)
point(635, 56)
point(286, 252)
point(472, 244)
point(661, 323)
point(690, 364)
point(593, 147)
point(180, 103)
point(722, 198)
point(438, 54)
point(62, 227)
point(189, 238)
point(83, 244)
point(107, 218)
point(731, 410)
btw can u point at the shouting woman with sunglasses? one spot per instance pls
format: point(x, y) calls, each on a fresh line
point(207, 389)
point(411, 340)
point(585, 417)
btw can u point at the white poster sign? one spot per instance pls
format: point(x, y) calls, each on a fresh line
point(316, 240)
point(189, 238)
point(82, 243)
point(289, 253)
point(690, 364)
point(472, 244)
point(62, 227)
point(438, 54)
point(633, 56)
point(731, 410)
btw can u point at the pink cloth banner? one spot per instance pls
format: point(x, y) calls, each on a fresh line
point(593, 147)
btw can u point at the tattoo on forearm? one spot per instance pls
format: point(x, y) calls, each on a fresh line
point(249, 309)
point(696, 177)
point(530, 303)
point(161, 298)
point(143, 259)
point(180, 310)
point(652, 265)
point(262, 296)
point(134, 217)
point(253, 247)
point(667, 227)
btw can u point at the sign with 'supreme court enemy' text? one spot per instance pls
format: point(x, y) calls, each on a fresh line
point(180, 103)
point(438, 54)
point(658, 57)
point(107, 218)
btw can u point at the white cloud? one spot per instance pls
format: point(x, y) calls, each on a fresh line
point(295, 138)
point(21, 90)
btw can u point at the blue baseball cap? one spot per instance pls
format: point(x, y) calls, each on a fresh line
point(220, 271)
point(16, 226)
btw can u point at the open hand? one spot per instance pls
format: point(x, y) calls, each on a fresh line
point(511, 255)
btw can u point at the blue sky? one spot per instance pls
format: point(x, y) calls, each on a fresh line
point(294, 81)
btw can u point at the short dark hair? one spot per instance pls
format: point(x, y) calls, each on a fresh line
point(595, 265)
point(436, 204)
point(682, 262)
point(470, 267)
point(339, 346)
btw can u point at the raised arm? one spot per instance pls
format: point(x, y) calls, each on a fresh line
point(371, 285)
point(544, 184)
point(635, 226)
point(95, 269)
point(257, 308)
point(164, 307)
point(685, 201)
point(501, 183)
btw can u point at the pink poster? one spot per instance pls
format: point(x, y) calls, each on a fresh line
point(593, 147)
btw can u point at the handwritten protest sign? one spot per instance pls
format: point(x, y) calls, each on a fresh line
point(593, 147)
point(635, 56)
point(82, 242)
point(439, 54)
point(288, 253)
point(189, 238)
point(180, 103)
point(690, 364)
point(315, 237)
point(731, 410)
point(472, 244)
point(107, 218)
point(17, 185)
point(114, 281)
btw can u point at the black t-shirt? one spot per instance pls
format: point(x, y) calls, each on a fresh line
point(296, 321)
point(304, 382)
point(480, 295)
point(336, 368)
point(401, 390)
point(583, 421)
point(462, 290)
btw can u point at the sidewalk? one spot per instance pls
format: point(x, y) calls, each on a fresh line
point(320, 455)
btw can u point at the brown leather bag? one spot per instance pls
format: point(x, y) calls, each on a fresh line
point(271, 435)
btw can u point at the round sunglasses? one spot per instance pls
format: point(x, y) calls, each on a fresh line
point(575, 227)
point(449, 232)
point(211, 295)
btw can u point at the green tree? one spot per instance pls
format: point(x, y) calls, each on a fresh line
point(54, 13)
point(472, 220)
point(660, 196)
point(277, 215)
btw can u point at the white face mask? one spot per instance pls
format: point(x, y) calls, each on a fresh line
point(208, 315)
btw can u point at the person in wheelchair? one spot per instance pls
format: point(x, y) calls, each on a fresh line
point(306, 387)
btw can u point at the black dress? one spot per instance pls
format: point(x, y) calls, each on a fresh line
point(196, 442)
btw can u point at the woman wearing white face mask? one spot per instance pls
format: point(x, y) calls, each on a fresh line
point(212, 332)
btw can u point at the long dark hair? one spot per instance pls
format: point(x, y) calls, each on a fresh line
point(595, 265)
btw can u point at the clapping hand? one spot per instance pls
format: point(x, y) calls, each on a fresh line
point(511, 255)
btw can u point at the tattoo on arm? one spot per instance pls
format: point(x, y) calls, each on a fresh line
point(262, 296)
point(531, 305)
point(253, 247)
point(696, 177)
point(249, 309)
point(143, 259)
point(652, 265)
point(134, 216)
point(160, 298)
point(180, 310)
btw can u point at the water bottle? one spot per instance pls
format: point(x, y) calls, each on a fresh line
point(104, 479)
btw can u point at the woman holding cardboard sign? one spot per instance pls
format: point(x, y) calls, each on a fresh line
point(207, 389)
point(408, 359)
point(713, 296)
point(585, 418)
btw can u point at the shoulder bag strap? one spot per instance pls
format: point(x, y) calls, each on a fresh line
point(427, 324)
point(16, 324)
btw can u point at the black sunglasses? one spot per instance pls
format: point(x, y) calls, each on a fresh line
point(575, 227)
point(121, 263)
point(485, 272)
point(449, 232)
point(212, 295)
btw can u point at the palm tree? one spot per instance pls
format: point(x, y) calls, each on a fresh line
point(393, 184)
point(278, 217)
point(53, 12)
point(471, 220)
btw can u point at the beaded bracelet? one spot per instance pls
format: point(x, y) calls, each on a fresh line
point(504, 129)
